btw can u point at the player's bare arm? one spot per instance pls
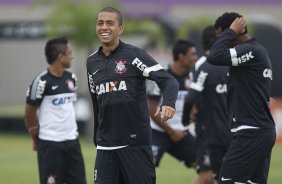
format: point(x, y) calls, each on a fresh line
point(31, 123)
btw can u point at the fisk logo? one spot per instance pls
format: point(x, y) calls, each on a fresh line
point(267, 73)
point(111, 87)
point(139, 64)
point(40, 88)
point(245, 57)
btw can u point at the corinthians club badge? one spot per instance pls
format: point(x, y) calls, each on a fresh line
point(120, 68)
point(71, 85)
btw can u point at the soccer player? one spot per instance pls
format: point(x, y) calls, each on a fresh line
point(171, 136)
point(209, 85)
point(122, 131)
point(54, 131)
point(248, 157)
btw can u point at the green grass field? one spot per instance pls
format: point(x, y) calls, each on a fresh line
point(18, 164)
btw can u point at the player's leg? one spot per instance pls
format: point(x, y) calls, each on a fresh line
point(50, 161)
point(261, 174)
point(216, 153)
point(247, 152)
point(203, 165)
point(184, 150)
point(160, 144)
point(106, 169)
point(75, 170)
point(136, 165)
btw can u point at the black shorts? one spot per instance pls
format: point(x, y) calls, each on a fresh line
point(248, 158)
point(60, 162)
point(216, 153)
point(131, 164)
point(183, 150)
point(202, 155)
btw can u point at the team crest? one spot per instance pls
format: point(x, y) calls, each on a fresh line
point(71, 86)
point(120, 68)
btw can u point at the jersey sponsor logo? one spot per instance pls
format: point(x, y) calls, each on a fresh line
point(221, 88)
point(71, 85)
point(40, 88)
point(267, 73)
point(91, 82)
point(111, 87)
point(120, 67)
point(62, 101)
point(245, 57)
point(139, 64)
point(202, 78)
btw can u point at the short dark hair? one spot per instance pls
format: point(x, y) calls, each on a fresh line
point(181, 47)
point(208, 37)
point(113, 10)
point(54, 47)
point(225, 20)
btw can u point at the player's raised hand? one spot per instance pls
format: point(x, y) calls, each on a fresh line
point(166, 112)
point(239, 25)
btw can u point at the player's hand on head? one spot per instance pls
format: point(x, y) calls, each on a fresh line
point(166, 112)
point(239, 25)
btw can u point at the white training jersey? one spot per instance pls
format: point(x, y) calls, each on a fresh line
point(54, 97)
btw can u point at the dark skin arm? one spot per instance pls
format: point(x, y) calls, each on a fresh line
point(31, 123)
point(175, 135)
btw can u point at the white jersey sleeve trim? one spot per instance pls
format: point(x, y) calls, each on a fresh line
point(154, 68)
point(34, 85)
point(234, 58)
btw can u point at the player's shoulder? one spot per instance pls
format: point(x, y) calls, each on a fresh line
point(131, 49)
point(42, 75)
point(92, 56)
point(70, 74)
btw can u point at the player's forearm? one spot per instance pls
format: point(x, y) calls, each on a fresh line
point(220, 53)
point(31, 121)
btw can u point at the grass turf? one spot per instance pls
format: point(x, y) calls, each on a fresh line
point(18, 163)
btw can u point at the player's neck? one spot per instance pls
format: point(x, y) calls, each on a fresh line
point(56, 70)
point(244, 38)
point(108, 48)
point(178, 69)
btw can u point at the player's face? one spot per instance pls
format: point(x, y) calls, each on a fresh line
point(66, 58)
point(108, 28)
point(190, 57)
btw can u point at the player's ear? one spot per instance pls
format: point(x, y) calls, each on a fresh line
point(120, 30)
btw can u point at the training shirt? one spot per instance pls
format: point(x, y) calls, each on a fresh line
point(209, 85)
point(54, 96)
point(249, 81)
point(154, 93)
point(118, 92)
